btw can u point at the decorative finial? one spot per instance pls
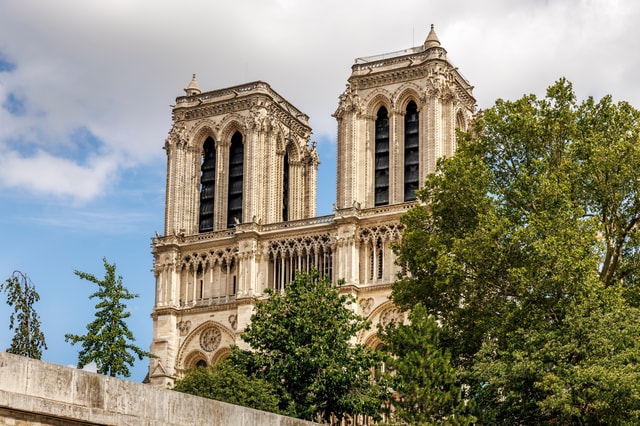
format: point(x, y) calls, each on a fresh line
point(432, 39)
point(193, 88)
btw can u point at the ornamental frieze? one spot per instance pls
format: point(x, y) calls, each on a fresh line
point(391, 77)
point(217, 109)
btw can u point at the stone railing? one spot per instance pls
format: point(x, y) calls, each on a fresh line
point(367, 60)
point(320, 220)
point(375, 211)
point(394, 208)
point(40, 393)
point(187, 239)
point(230, 91)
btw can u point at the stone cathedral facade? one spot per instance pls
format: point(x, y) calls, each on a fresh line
point(240, 212)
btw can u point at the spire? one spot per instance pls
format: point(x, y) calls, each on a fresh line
point(193, 88)
point(432, 40)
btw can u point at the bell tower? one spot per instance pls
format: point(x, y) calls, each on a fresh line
point(397, 116)
point(238, 159)
point(237, 155)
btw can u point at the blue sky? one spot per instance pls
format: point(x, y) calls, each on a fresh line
point(85, 89)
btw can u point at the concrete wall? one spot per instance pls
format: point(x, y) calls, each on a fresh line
point(38, 393)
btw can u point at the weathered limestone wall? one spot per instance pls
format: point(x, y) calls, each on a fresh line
point(38, 393)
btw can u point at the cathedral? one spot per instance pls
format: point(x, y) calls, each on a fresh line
point(240, 214)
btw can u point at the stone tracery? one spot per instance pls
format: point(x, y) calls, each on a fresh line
point(208, 280)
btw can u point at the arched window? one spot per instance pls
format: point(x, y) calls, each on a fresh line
point(207, 185)
point(382, 158)
point(461, 123)
point(411, 151)
point(376, 260)
point(285, 188)
point(199, 282)
point(236, 159)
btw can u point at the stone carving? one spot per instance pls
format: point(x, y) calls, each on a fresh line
point(233, 321)
point(386, 232)
point(349, 101)
point(184, 327)
point(260, 119)
point(177, 136)
point(210, 339)
point(390, 316)
point(366, 305)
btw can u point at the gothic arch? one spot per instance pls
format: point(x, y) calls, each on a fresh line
point(193, 358)
point(292, 149)
point(385, 306)
point(379, 315)
point(407, 93)
point(220, 355)
point(288, 144)
point(191, 344)
point(200, 132)
point(461, 121)
point(190, 261)
point(388, 232)
point(377, 99)
point(373, 341)
point(231, 124)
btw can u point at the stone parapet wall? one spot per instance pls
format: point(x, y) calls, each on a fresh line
point(38, 393)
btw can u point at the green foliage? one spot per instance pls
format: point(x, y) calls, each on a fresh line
point(107, 342)
point(527, 251)
point(421, 375)
point(301, 344)
point(226, 382)
point(581, 371)
point(28, 339)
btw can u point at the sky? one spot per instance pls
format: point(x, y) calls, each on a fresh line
point(86, 88)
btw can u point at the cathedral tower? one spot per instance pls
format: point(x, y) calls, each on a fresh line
point(237, 155)
point(397, 116)
point(241, 195)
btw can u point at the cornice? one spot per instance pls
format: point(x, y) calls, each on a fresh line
point(175, 311)
point(365, 289)
point(241, 98)
point(380, 75)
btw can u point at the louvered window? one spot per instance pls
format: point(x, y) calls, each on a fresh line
point(236, 160)
point(381, 183)
point(207, 185)
point(411, 151)
point(285, 188)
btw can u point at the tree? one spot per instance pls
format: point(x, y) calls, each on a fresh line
point(529, 235)
point(107, 342)
point(28, 339)
point(584, 370)
point(226, 382)
point(301, 344)
point(421, 375)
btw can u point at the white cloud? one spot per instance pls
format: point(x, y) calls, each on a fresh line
point(43, 173)
point(114, 67)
